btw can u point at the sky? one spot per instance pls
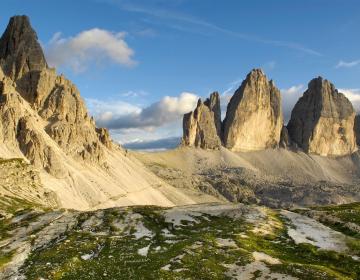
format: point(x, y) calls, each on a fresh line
point(141, 64)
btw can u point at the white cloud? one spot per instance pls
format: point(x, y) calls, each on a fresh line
point(349, 64)
point(132, 93)
point(289, 98)
point(354, 96)
point(94, 45)
point(122, 115)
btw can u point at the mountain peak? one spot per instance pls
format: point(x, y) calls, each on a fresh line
point(20, 51)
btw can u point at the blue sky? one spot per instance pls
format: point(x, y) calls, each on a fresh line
point(132, 58)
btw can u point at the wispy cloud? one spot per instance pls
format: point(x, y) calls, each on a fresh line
point(191, 20)
point(131, 93)
point(88, 46)
point(347, 64)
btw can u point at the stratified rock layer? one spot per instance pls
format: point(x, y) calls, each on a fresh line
point(56, 100)
point(254, 116)
point(202, 127)
point(322, 121)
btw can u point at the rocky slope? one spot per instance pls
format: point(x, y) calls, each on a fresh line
point(273, 177)
point(209, 241)
point(202, 127)
point(322, 121)
point(254, 116)
point(44, 120)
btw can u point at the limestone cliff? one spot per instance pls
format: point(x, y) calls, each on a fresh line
point(357, 129)
point(44, 121)
point(54, 97)
point(202, 127)
point(20, 51)
point(322, 121)
point(254, 116)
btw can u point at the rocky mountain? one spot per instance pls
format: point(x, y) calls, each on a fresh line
point(45, 121)
point(20, 51)
point(322, 121)
point(202, 127)
point(254, 116)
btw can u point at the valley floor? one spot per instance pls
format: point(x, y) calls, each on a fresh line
point(205, 241)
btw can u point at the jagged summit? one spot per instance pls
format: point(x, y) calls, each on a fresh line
point(202, 127)
point(20, 51)
point(322, 121)
point(44, 120)
point(254, 116)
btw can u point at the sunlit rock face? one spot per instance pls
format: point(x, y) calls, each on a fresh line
point(322, 121)
point(254, 117)
point(34, 100)
point(202, 127)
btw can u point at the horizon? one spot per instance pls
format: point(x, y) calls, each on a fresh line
point(144, 77)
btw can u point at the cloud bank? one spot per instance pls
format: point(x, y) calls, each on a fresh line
point(121, 115)
point(94, 45)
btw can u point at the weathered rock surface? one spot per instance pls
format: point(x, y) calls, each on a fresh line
point(20, 51)
point(44, 120)
point(285, 140)
point(213, 102)
point(357, 129)
point(254, 116)
point(54, 97)
point(322, 121)
point(201, 127)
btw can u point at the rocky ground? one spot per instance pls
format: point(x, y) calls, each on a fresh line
point(207, 241)
point(277, 178)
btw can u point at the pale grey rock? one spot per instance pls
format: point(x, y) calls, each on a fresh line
point(213, 102)
point(254, 117)
point(199, 127)
point(322, 121)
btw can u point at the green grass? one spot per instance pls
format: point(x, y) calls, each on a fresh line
point(192, 252)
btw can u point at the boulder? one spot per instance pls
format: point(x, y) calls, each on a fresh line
point(322, 121)
point(254, 117)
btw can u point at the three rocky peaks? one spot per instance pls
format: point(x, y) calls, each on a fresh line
point(322, 121)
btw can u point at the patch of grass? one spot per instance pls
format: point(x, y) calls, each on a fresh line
point(189, 251)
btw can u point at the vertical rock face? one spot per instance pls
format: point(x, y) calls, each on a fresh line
point(254, 116)
point(200, 127)
point(357, 129)
point(322, 121)
point(214, 105)
point(56, 101)
point(285, 140)
point(20, 51)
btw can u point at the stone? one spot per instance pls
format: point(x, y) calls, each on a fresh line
point(254, 117)
point(357, 129)
point(56, 100)
point(285, 141)
point(20, 51)
point(199, 127)
point(214, 105)
point(322, 121)
point(36, 150)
